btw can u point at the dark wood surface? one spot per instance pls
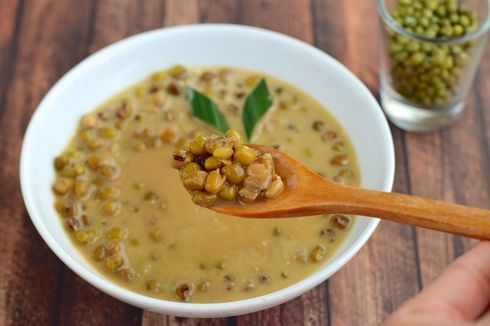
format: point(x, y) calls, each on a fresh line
point(40, 40)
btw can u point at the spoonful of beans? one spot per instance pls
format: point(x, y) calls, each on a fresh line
point(258, 181)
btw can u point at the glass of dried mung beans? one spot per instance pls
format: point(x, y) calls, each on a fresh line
point(430, 50)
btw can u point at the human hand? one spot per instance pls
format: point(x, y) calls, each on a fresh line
point(460, 296)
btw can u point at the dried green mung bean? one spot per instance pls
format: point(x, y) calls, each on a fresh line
point(329, 135)
point(138, 185)
point(87, 236)
point(223, 152)
point(126, 273)
point(159, 98)
point(88, 121)
point(234, 173)
point(73, 171)
point(74, 224)
point(204, 286)
point(113, 262)
point(151, 197)
point(328, 233)
point(301, 256)
point(168, 135)
point(94, 162)
point(134, 242)
point(87, 220)
point(60, 162)
point(318, 125)
point(317, 253)
point(229, 277)
point(80, 188)
point(248, 194)
point(275, 189)
point(155, 234)
point(70, 209)
point(338, 146)
point(264, 279)
point(207, 76)
point(195, 180)
point(99, 253)
point(74, 154)
point(114, 247)
point(184, 291)
point(108, 132)
point(230, 286)
point(111, 207)
point(204, 199)
point(245, 155)
point(228, 192)
point(341, 159)
point(109, 192)
point(94, 144)
point(124, 112)
point(214, 182)
point(140, 147)
point(177, 71)
point(346, 174)
point(117, 234)
point(197, 146)
point(248, 286)
point(108, 171)
point(153, 286)
point(182, 155)
point(62, 185)
point(340, 221)
point(173, 89)
point(276, 231)
point(153, 142)
point(235, 135)
point(212, 163)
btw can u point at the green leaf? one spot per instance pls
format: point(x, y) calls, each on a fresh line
point(256, 105)
point(204, 109)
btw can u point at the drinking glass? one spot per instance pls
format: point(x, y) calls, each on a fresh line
point(424, 81)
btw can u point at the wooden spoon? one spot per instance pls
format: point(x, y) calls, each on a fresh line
point(307, 193)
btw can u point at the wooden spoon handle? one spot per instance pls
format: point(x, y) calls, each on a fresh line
point(427, 213)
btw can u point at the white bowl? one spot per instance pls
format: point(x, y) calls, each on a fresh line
point(117, 66)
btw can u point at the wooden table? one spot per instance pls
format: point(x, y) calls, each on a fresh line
point(40, 40)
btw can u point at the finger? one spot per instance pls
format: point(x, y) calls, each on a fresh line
point(461, 292)
point(484, 320)
point(425, 320)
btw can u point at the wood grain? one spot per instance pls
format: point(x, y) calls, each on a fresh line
point(31, 276)
point(10, 13)
point(116, 19)
point(296, 16)
point(41, 39)
point(219, 11)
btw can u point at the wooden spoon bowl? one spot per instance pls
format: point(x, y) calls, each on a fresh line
point(307, 193)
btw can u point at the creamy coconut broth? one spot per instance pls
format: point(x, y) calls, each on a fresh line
point(127, 212)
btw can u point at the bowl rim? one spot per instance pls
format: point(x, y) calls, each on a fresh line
point(199, 309)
